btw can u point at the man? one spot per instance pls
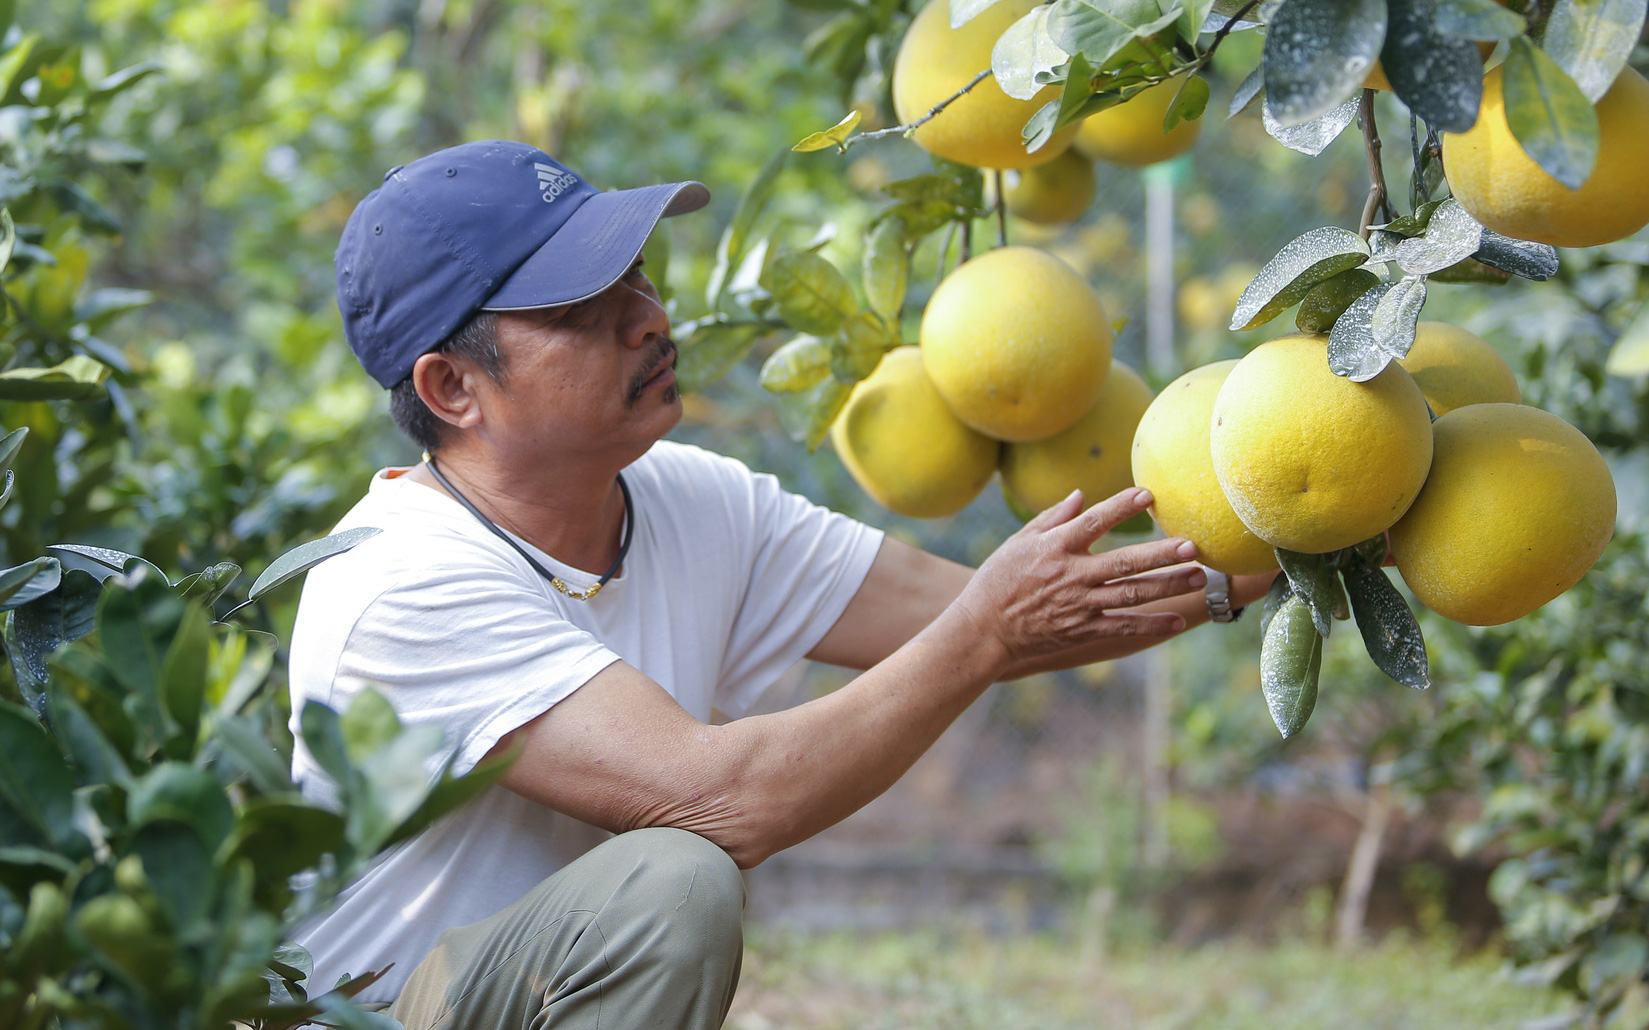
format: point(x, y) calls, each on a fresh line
point(555, 578)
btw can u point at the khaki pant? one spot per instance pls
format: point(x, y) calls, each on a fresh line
point(646, 930)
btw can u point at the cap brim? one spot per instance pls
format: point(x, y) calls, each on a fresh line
point(595, 247)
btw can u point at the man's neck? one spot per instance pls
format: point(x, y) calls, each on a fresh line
point(571, 511)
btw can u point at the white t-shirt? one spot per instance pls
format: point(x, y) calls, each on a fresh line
point(729, 581)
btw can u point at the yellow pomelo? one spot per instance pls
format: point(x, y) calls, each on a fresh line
point(1017, 343)
point(905, 448)
point(1051, 194)
point(1504, 189)
point(1518, 506)
point(982, 128)
point(1131, 133)
point(1172, 459)
point(1454, 368)
point(1091, 455)
point(1312, 461)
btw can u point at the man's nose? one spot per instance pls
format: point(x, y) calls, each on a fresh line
point(645, 315)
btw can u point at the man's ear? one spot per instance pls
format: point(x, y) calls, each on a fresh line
point(447, 386)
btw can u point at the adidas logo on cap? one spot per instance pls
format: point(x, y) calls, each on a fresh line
point(553, 181)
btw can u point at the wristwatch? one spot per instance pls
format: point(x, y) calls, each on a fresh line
point(1217, 594)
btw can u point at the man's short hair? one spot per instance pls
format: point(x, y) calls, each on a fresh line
point(476, 340)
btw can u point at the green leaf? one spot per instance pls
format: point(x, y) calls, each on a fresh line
point(1376, 329)
point(1389, 629)
point(182, 793)
point(964, 11)
point(183, 674)
point(812, 295)
point(1471, 270)
point(1281, 590)
point(124, 79)
point(1328, 300)
point(1315, 257)
point(1311, 137)
point(947, 190)
point(210, 583)
point(450, 793)
point(858, 348)
point(1291, 660)
point(1591, 40)
point(831, 137)
point(10, 444)
point(1452, 235)
point(95, 757)
point(1025, 51)
point(248, 748)
point(1317, 52)
point(135, 622)
point(1484, 20)
point(392, 784)
point(34, 780)
point(369, 725)
point(1071, 106)
point(306, 556)
point(75, 379)
point(736, 239)
point(1193, 16)
point(808, 415)
point(178, 861)
point(1312, 580)
point(117, 927)
point(711, 347)
point(103, 562)
point(16, 65)
point(57, 618)
point(1188, 104)
point(1549, 115)
point(1537, 261)
point(101, 305)
point(21, 584)
point(8, 237)
point(1439, 77)
point(802, 363)
point(1630, 354)
point(283, 838)
point(1098, 30)
point(885, 267)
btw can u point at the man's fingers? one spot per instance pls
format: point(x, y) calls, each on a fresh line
point(1059, 513)
point(1138, 590)
point(1137, 558)
point(1156, 624)
point(1105, 516)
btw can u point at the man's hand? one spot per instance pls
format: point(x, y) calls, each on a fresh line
point(1043, 591)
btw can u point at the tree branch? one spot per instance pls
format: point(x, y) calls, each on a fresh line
point(905, 130)
point(1377, 200)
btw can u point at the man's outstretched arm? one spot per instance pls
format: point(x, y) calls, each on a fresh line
point(620, 753)
point(907, 588)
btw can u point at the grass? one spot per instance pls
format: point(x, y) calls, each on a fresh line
point(962, 981)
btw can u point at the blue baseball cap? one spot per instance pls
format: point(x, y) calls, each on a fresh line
point(486, 226)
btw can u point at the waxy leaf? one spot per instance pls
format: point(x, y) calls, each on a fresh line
point(21, 584)
point(1317, 52)
point(1471, 270)
point(831, 137)
point(1389, 629)
point(1477, 19)
point(1591, 40)
point(1549, 115)
point(812, 295)
point(802, 363)
point(1313, 137)
point(8, 237)
point(858, 348)
point(964, 11)
point(1439, 77)
point(306, 556)
point(1630, 354)
point(1291, 660)
point(1312, 580)
point(1537, 261)
point(885, 267)
point(710, 347)
point(10, 444)
point(74, 379)
point(1376, 329)
point(1280, 591)
point(1023, 52)
point(1251, 87)
point(59, 617)
point(1098, 31)
point(1327, 301)
point(1307, 260)
point(1451, 236)
point(35, 785)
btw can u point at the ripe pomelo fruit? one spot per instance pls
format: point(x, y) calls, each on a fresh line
point(1518, 506)
point(983, 127)
point(904, 447)
point(1172, 459)
point(1091, 455)
point(1017, 343)
point(1131, 133)
point(1312, 461)
point(1454, 368)
point(1049, 194)
point(1503, 188)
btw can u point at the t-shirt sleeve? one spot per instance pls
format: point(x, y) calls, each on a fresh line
point(467, 645)
point(805, 564)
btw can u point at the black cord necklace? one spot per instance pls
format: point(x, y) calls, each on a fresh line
point(555, 581)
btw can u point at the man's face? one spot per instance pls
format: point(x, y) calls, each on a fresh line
point(591, 376)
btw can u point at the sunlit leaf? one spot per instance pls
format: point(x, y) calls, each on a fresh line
point(74, 379)
point(858, 348)
point(1549, 115)
point(1327, 301)
point(1377, 329)
point(1099, 31)
point(964, 11)
point(797, 365)
point(1251, 87)
point(808, 415)
point(1313, 137)
point(1188, 104)
point(306, 556)
point(1591, 40)
point(885, 267)
point(833, 136)
point(1630, 354)
point(1537, 261)
point(1317, 52)
point(730, 251)
point(1291, 660)
point(1306, 261)
point(1451, 236)
point(710, 347)
point(813, 297)
point(1024, 51)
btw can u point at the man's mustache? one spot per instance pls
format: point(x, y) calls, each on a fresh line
point(665, 351)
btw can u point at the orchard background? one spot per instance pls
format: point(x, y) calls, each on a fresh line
point(1127, 845)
